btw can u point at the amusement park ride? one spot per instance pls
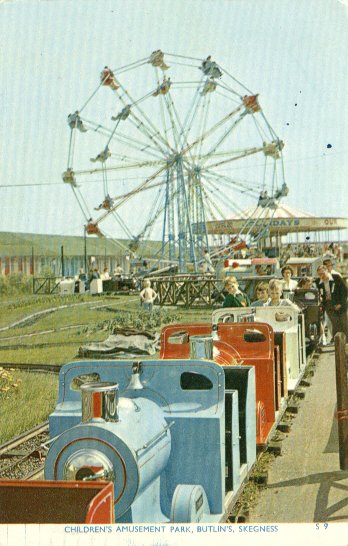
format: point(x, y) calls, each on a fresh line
point(170, 154)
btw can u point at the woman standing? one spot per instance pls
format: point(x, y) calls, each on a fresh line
point(289, 284)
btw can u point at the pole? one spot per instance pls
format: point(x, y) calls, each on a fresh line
point(342, 398)
point(85, 248)
point(32, 268)
point(32, 261)
point(62, 260)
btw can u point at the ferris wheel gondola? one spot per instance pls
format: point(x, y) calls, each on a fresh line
point(178, 141)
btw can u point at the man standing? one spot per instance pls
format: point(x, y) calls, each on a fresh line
point(333, 294)
point(207, 263)
point(328, 263)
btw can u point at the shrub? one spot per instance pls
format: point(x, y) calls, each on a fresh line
point(19, 283)
point(16, 283)
point(3, 284)
point(27, 405)
point(8, 384)
point(47, 271)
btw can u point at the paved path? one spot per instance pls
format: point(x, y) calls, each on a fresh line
point(305, 483)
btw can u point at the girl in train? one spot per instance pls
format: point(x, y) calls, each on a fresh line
point(261, 295)
point(234, 296)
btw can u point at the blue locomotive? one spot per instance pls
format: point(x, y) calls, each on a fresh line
point(176, 437)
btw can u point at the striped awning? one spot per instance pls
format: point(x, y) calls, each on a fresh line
point(281, 221)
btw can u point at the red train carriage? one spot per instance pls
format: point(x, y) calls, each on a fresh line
point(251, 344)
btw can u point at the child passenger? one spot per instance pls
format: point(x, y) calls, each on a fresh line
point(261, 295)
point(275, 288)
point(234, 297)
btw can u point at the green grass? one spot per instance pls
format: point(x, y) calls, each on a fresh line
point(30, 403)
point(51, 355)
point(92, 322)
point(15, 309)
point(27, 405)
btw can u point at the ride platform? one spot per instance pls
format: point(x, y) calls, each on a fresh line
point(306, 484)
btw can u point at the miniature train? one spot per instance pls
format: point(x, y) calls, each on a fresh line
point(144, 426)
point(121, 283)
point(256, 366)
point(178, 436)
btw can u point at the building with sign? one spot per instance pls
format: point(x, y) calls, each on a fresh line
point(284, 221)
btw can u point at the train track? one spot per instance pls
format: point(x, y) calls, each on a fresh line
point(34, 317)
point(24, 366)
point(37, 345)
point(22, 457)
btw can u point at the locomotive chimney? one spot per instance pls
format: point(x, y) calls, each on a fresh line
point(99, 400)
point(201, 347)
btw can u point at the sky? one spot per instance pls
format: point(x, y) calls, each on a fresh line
point(292, 52)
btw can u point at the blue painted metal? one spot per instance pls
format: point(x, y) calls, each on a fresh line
point(200, 232)
point(182, 214)
point(136, 461)
point(242, 379)
point(232, 440)
point(168, 448)
point(168, 221)
point(189, 504)
point(184, 226)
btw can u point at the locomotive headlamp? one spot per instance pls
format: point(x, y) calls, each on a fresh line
point(88, 465)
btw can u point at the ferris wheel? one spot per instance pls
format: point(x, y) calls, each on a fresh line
point(165, 144)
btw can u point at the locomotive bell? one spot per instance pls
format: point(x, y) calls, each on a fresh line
point(135, 383)
point(201, 347)
point(99, 400)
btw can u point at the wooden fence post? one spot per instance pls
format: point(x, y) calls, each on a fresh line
point(342, 398)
